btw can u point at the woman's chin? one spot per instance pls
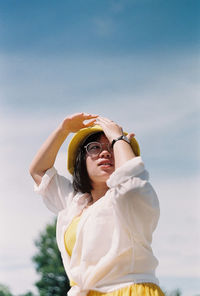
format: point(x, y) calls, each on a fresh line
point(105, 174)
point(107, 169)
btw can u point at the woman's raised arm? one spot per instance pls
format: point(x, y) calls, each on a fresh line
point(45, 157)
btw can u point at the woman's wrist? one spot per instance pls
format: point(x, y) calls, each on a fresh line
point(120, 138)
point(63, 132)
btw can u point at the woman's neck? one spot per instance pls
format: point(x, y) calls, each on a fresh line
point(98, 191)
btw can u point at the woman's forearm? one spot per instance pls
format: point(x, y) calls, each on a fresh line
point(122, 153)
point(45, 157)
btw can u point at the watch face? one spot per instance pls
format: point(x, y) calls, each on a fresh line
point(125, 139)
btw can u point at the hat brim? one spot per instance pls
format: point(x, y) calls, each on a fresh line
point(81, 135)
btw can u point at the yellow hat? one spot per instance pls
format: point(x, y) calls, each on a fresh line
point(81, 135)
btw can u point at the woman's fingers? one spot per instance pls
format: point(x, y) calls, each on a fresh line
point(103, 119)
point(130, 136)
point(91, 123)
point(111, 129)
point(89, 116)
point(82, 116)
point(102, 123)
point(75, 122)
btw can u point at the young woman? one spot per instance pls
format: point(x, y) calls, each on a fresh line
point(107, 215)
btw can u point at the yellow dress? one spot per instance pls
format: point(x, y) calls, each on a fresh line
point(144, 289)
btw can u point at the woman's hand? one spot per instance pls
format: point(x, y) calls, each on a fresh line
point(75, 122)
point(111, 129)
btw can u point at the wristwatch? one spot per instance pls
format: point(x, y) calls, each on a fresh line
point(124, 138)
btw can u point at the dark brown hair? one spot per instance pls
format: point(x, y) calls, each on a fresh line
point(81, 180)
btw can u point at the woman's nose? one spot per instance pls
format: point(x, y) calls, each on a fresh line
point(105, 153)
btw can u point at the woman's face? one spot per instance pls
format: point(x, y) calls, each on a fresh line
point(100, 166)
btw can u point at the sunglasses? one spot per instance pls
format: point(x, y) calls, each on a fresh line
point(95, 148)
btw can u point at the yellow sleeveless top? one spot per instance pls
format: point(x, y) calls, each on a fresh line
point(70, 235)
point(146, 289)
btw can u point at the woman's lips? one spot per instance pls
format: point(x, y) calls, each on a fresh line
point(105, 163)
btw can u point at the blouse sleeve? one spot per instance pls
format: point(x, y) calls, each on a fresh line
point(134, 197)
point(56, 190)
point(132, 168)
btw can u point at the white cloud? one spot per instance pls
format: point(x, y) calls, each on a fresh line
point(19, 279)
point(177, 238)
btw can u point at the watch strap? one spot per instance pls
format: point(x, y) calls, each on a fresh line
point(123, 137)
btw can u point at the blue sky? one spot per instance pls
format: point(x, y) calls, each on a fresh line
point(101, 27)
point(136, 62)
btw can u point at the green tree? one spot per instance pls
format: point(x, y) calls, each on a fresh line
point(4, 291)
point(53, 280)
